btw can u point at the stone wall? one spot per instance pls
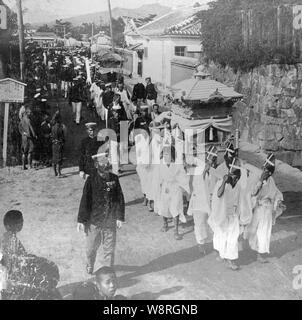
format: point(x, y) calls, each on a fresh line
point(270, 115)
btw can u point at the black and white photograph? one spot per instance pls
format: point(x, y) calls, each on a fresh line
point(150, 150)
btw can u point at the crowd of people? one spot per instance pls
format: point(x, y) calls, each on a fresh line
point(229, 202)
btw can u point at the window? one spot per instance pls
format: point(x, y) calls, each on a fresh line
point(180, 51)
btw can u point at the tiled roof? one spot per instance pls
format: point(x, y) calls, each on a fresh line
point(191, 62)
point(190, 26)
point(203, 90)
point(181, 21)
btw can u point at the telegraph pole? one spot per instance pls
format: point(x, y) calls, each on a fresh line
point(21, 38)
point(92, 35)
point(110, 23)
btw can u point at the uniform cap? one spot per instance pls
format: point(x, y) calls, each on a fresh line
point(90, 125)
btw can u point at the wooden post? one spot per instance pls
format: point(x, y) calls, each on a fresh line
point(110, 23)
point(92, 35)
point(5, 133)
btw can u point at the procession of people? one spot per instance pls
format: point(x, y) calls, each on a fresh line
point(229, 202)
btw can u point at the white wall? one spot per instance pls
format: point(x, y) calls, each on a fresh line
point(160, 53)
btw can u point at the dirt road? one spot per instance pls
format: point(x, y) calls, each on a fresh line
point(149, 264)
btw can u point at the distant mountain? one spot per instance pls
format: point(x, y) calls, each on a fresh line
point(103, 16)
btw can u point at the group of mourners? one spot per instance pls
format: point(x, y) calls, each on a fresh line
point(231, 202)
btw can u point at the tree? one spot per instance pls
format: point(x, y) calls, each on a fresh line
point(45, 28)
point(5, 37)
point(222, 36)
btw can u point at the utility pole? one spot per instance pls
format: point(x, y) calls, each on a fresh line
point(92, 35)
point(110, 23)
point(21, 38)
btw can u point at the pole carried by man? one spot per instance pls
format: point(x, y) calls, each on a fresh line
point(268, 206)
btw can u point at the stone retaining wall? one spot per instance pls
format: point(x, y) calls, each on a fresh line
point(270, 115)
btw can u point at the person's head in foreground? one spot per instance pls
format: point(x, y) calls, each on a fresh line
point(86, 291)
point(13, 221)
point(106, 282)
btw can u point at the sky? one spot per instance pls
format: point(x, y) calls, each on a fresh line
point(70, 8)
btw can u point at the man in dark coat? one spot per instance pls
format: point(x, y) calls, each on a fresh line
point(76, 98)
point(139, 93)
point(101, 212)
point(151, 93)
point(28, 138)
point(89, 147)
point(108, 96)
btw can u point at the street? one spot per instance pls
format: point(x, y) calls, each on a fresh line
point(149, 264)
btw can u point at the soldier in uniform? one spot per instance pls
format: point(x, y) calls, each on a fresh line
point(28, 138)
point(89, 147)
point(101, 212)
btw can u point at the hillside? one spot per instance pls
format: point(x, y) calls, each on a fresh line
point(42, 14)
point(142, 11)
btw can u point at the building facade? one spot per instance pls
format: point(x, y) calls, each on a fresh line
point(171, 45)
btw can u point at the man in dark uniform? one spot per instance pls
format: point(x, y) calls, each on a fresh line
point(101, 212)
point(28, 138)
point(151, 93)
point(76, 98)
point(89, 147)
point(139, 93)
point(108, 96)
point(46, 140)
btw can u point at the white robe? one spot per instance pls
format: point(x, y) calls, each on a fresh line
point(173, 181)
point(153, 189)
point(224, 221)
point(245, 183)
point(143, 167)
point(96, 96)
point(200, 201)
point(266, 211)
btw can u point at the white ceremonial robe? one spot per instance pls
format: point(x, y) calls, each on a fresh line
point(143, 167)
point(266, 211)
point(96, 96)
point(245, 183)
point(200, 202)
point(153, 190)
point(174, 181)
point(224, 221)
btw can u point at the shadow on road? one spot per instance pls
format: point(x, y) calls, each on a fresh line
point(293, 202)
point(167, 261)
point(155, 295)
point(278, 249)
point(134, 202)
